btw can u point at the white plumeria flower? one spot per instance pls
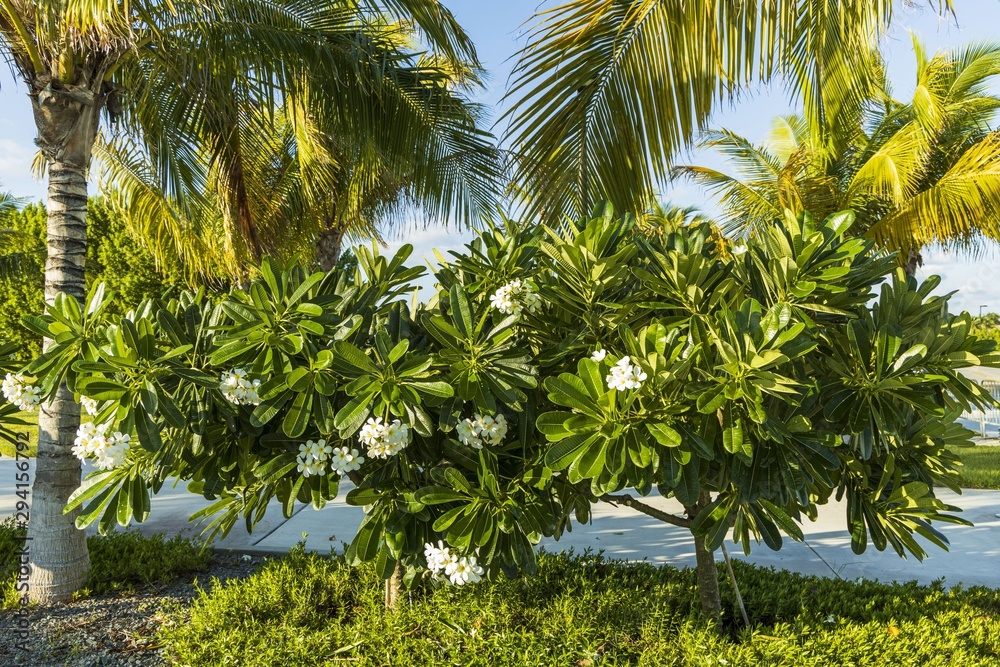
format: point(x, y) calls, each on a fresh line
point(458, 571)
point(496, 431)
point(530, 299)
point(89, 405)
point(505, 298)
point(344, 460)
point(738, 250)
point(625, 376)
point(384, 440)
point(87, 440)
point(515, 297)
point(108, 451)
point(467, 434)
point(599, 355)
point(372, 432)
point(491, 429)
point(464, 570)
point(312, 457)
point(481, 424)
point(25, 396)
point(238, 388)
point(438, 557)
point(114, 452)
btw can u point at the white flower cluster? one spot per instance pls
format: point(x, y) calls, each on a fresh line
point(24, 396)
point(90, 405)
point(384, 440)
point(474, 432)
point(625, 376)
point(515, 297)
point(238, 388)
point(109, 451)
point(312, 457)
point(458, 570)
point(345, 460)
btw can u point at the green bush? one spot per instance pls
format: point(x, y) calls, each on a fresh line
point(10, 542)
point(129, 559)
point(113, 256)
point(987, 326)
point(579, 611)
point(118, 561)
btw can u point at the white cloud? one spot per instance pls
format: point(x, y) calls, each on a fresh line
point(15, 169)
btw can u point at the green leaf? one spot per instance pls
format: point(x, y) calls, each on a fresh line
point(298, 379)
point(350, 417)
point(562, 454)
point(297, 418)
point(664, 435)
point(438, 388)
point(310, 309)
point(461, 311)
point(437, 495)
point(348, 358)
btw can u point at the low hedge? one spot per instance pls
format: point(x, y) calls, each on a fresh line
point(580, 611)
point(120, 561)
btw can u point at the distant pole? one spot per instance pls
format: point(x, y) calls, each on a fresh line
point(981, 311)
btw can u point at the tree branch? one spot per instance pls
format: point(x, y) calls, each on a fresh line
point(648, 510)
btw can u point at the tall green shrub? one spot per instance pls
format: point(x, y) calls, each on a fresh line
point(114, 257)
point(554, 369)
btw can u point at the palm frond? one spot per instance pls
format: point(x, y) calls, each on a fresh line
point(964, 203)
point(605, 92)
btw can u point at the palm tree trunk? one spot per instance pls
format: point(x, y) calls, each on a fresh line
point(914, 260)
point(328, 247)
point(59, 560)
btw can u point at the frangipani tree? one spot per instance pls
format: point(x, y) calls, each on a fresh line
point(554, 369)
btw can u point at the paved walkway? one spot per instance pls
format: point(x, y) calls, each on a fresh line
point(622, 533)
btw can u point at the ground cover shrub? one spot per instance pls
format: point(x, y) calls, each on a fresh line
point(119, 561)
point(579, 610)
point(126, 560)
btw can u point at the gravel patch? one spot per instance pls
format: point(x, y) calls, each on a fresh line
point(117, 630)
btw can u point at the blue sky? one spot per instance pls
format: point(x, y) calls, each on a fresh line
point(497, 28)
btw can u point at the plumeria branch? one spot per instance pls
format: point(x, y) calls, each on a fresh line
point(648, 510)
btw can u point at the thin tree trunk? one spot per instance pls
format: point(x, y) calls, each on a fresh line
point(58, 551)
point(328, 247)
point(708, 573)
point(708, 581)
point(394, 587)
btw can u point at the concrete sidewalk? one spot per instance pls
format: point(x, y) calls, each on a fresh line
point(625, 534)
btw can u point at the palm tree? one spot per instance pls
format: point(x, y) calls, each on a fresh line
point(133, 60)
point(314, 176)
point(606, 92)
point(920, 172)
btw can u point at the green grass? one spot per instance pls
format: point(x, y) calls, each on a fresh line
point(980, 467)
point(119, 562)
point(307, 611)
